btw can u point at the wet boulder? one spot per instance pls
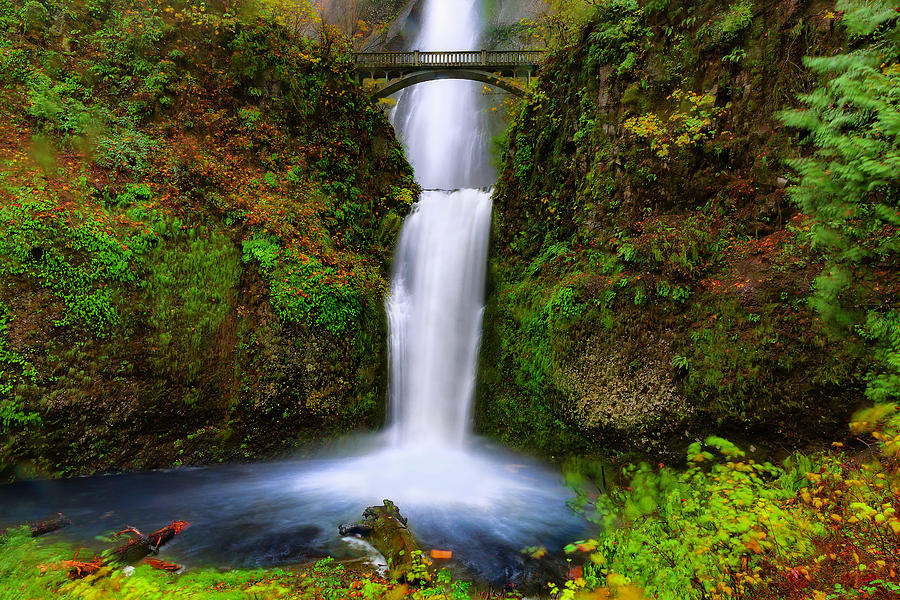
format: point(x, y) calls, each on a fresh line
point(386, 529)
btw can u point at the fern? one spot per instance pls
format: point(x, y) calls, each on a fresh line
point(850, 185)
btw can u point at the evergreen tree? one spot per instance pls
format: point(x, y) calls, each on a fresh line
point(850, 185)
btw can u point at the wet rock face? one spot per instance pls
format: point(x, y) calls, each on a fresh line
point(511, 12)
point(622, 392)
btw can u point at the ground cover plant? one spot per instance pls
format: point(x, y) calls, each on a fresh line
point(819, 526)
point(36, 570)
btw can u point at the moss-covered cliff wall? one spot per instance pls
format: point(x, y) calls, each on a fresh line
point(197, 210)
point(650, 276)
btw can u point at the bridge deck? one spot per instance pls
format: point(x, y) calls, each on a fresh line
point(483, 59)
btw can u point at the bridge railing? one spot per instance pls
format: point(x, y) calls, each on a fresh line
point(471, 58)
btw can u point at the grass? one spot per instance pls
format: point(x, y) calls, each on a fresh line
point(35, 569)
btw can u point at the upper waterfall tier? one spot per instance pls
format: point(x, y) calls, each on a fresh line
point(443, 124)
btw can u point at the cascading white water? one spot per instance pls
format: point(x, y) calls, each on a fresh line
point(452, 484)
point(442, 123)
point(437, 291)
point(434, 316)
point(456, 489)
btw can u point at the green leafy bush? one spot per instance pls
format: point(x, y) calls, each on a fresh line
point(13, 64)
point(121, 145)
point(618, 35)
point(76, 275)
point(56, 107)
point(701, 533)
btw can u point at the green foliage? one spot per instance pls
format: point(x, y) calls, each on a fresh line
point(699, 533)
point(33, 16)
point(851, 184)
point(74, 263)
point(13, 64)
point(57, 105)
point(883, 330)
point(122, 146)
point(36, 570)
point(264, 250)
point(304, 290)
point(61, 108)
point(725, 28)
point(312, 292)
point(127, 44)
point(561, 22)
point(882, 421)
point(618, 35)
point(13, 369)
point(524, 159)
point(535, 356)
point(689, 125)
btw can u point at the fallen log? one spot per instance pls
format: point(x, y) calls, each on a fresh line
point(386, 529)
point(79, 569)
point(43, 527)
point(136, 549)
point(141, 545)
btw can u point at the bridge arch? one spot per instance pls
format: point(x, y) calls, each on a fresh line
point(403, 69)
point(410, 79)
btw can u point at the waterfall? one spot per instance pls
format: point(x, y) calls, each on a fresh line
point(434, 316)
point(443, 124)
point(437, 290)
point(458, 490)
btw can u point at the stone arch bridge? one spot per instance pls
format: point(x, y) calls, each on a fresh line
point(499, 68)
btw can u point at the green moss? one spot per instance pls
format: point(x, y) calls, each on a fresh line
point(651, 192)
point(143, 149)
point(35, 569)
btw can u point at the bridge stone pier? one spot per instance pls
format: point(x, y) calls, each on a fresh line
point(399, 70)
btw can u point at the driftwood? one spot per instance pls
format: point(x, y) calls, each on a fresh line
point(136, 549)
point(39, 528)
point(385, 528)
point(81, 568)
point(141, 545)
